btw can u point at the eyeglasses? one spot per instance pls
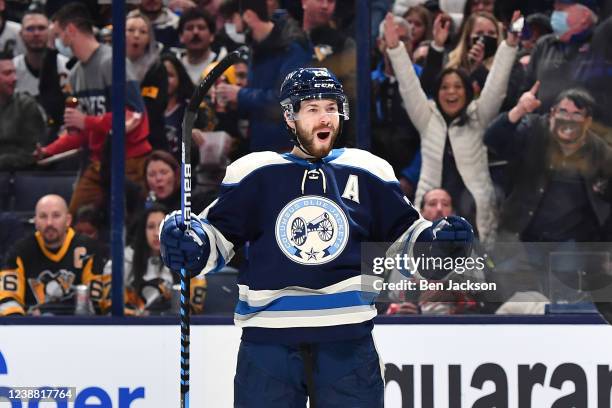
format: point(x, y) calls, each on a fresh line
point(565, 114)
point(31, 29)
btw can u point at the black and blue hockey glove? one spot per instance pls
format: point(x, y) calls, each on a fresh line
point(181, 248)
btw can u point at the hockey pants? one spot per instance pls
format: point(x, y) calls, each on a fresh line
point(339, 374)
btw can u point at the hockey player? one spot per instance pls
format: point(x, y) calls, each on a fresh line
point(306, 318)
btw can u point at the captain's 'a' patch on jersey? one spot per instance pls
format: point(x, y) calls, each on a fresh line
point(312, 230)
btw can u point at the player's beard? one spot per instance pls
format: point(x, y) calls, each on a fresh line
point(309, 142)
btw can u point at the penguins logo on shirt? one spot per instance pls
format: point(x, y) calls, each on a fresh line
point(52, 286)
point(312, 230)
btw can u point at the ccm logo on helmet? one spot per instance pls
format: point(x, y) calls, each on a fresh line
point(323, 85)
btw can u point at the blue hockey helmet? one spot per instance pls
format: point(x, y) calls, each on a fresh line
point(311, 83)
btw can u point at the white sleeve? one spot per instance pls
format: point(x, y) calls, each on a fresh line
point(413, 96)
point(496, 85)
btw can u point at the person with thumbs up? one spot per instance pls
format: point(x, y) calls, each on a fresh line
point(561, 171)
point(527, 103)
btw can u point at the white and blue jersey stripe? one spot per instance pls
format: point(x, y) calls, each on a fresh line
point(305, 222)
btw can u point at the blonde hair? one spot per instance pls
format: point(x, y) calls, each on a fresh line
point(458, 57)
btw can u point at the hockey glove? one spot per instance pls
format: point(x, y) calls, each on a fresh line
point(184, 249)
point(448, 237)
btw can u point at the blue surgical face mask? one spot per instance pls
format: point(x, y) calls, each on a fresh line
point(558, 21)
point(63, 48)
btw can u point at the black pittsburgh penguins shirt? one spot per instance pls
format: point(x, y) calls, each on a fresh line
point(33, 275)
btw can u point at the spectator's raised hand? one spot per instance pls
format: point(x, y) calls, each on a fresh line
point(74, 118)
point(390, 32)
point(527, 103)
point(441, 29)
point(513, 38)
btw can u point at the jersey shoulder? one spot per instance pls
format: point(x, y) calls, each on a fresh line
point(25, 248)
point(25, 245)
point(366, 162)
point(251, 163)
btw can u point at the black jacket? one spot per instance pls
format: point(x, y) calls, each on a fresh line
point(527, 146)
point(154, 89)
point(555, 64)
point(285, 49)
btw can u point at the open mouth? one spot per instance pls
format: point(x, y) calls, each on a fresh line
point(323, 135)
point(568, 132)
point(159, 190)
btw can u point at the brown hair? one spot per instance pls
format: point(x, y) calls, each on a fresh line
point(77, 14)
point(164, 156)
point(425, 16)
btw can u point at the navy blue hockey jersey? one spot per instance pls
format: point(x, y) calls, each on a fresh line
point(305, 222)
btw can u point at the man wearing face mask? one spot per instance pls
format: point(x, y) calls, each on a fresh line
point(555, 57)
point(90, 123)
point(278, 47)
point(231, 35)
point(561, 170)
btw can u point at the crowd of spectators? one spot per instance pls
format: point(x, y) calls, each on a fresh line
point(499, 113)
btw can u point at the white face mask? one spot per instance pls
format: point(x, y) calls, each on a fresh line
point(63, 48)
point(237, 37)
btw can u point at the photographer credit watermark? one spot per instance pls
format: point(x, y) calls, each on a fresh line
point(454, 269)
point(408, 265)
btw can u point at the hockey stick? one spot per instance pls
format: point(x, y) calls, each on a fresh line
point(191, 112)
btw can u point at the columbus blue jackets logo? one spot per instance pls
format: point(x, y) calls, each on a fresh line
point(312, 230)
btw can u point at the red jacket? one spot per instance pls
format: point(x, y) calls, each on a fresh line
point(94, 135)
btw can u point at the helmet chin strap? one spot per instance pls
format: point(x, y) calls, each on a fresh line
point(301, 146)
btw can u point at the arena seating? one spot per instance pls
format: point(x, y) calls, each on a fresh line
point(21, 190)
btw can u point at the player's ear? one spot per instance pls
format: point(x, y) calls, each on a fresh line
point(68, 220)
point(290, 123)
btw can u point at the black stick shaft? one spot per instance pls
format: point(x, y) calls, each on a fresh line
point(188, 122)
